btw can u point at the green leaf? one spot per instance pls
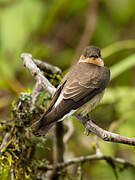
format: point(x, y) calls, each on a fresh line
point(9, 158)
point(122, 66)
point(118, 46)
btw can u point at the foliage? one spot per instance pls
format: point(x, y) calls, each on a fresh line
point(20, 151)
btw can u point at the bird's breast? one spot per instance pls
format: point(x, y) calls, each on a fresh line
point(90, 105)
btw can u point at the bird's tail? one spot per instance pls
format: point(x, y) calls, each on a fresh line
point(39, 130)
point(42, 126)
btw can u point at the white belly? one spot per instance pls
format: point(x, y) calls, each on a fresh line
point(90, 105)
point(85, 109)
point(67, 115)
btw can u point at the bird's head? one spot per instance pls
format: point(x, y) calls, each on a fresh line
point(92, 54)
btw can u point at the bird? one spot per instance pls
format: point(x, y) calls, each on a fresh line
point(80, 91)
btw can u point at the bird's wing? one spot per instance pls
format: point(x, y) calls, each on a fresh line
point(55, 97)
point(92, 80)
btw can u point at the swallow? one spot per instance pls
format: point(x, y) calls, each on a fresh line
point(80, 91)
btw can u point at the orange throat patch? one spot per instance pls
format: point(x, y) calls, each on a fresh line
point(92, 60)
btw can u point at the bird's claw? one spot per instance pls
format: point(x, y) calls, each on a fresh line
point(86, 132)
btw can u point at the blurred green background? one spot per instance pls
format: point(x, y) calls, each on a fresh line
point(51, 30)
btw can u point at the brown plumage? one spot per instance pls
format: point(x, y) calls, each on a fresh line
point(80, 90)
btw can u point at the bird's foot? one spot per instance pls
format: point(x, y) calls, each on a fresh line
point(86, 119)
point(86, 132)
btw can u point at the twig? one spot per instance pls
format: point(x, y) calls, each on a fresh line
point(12, 173)
point(58, 149)
point(36, 91)
point(44, 66)
point(88, 158)
point(41, 81)
point(5, 141)
point(97, 149)
point(89, 28)
point(37, 74)
point(69, 132)
point(59, 131)
point(90, 126)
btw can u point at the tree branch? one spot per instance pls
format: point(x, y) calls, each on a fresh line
point(37, 74)
point(90, 126)
point(69, 132)
point(58, 149)
point(5, 141)
point(44, 66)
point(59, 146)
point(83, 159)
